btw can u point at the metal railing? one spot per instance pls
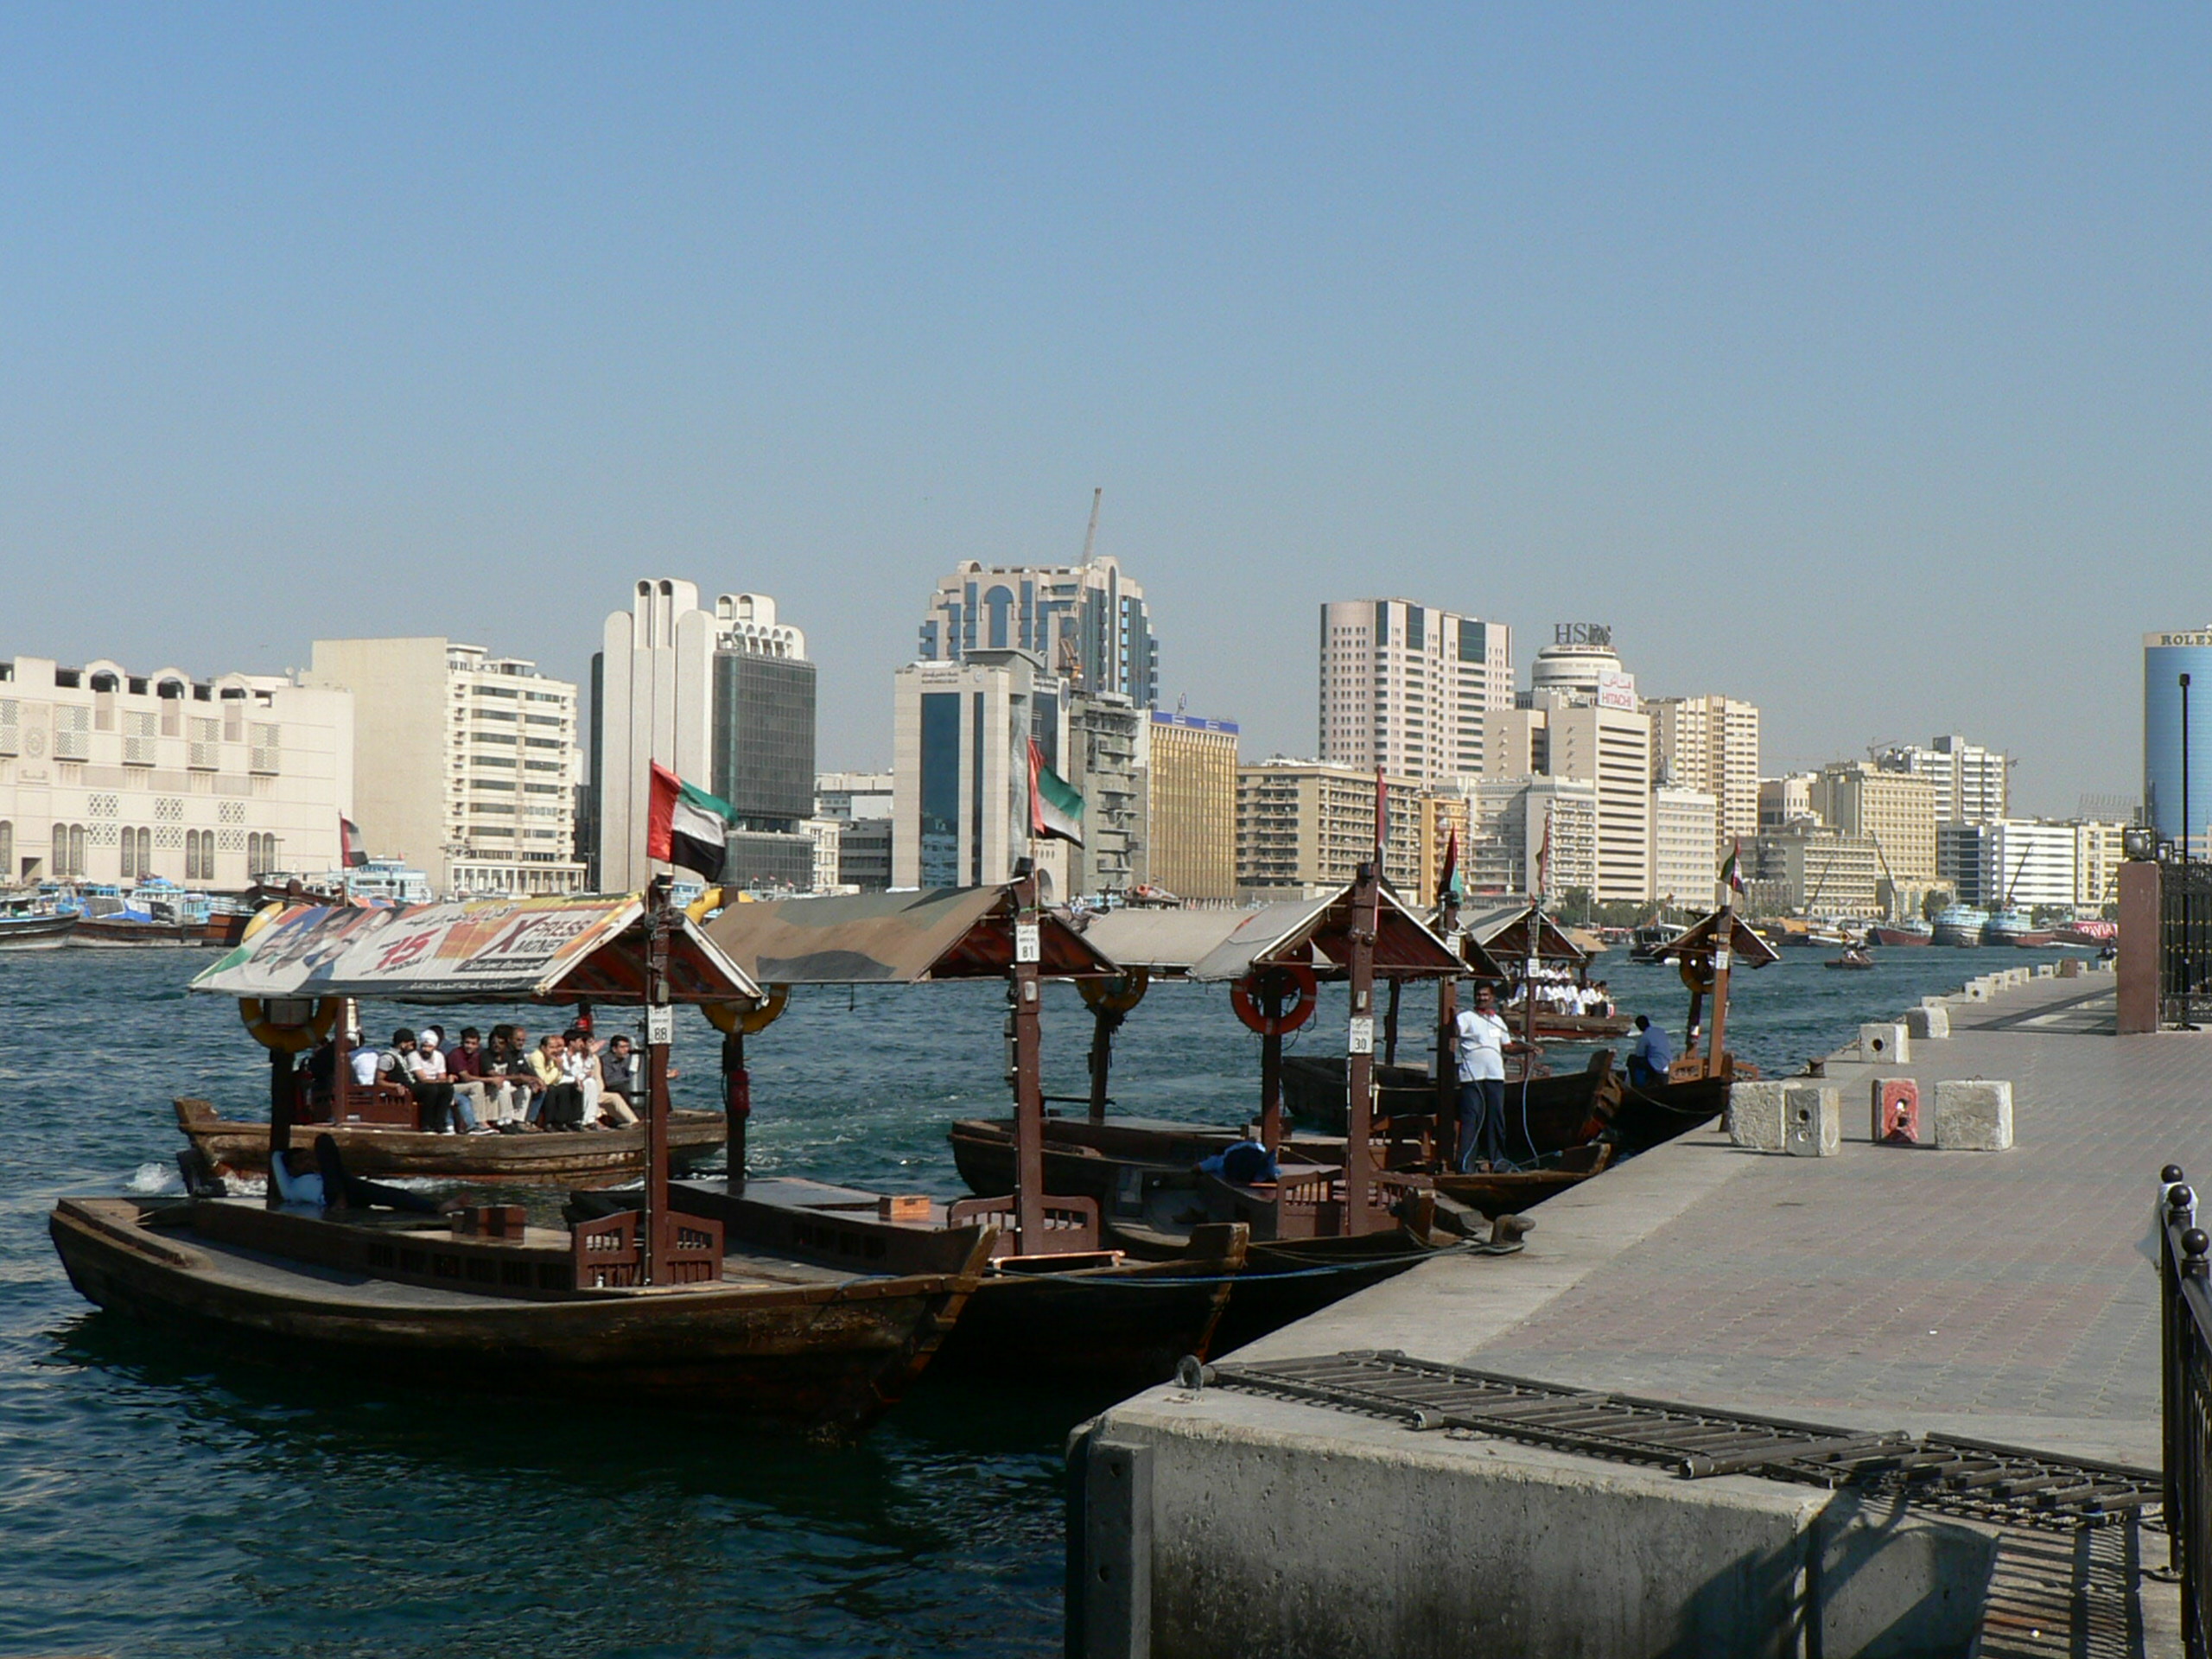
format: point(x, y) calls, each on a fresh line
point(2186, 941)
point(2186, 1354)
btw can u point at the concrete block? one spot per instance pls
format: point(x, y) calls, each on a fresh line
point(1812, 1120)
point(1976, 990)
point(1974, 1114)
point(1755, 1116)
point(1927, 1023)
point(1896, 1117)
point(1935, 1002)
point(1883, 1045)
point(2046, 970)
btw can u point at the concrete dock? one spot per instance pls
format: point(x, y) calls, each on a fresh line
point(2007, 1297)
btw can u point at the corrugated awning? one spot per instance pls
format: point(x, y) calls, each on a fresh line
point(1220, 945)
point(1697, 940)
point(557, 950)
point(893, 938)
point(1505, 934)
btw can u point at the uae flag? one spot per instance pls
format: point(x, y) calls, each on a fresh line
point(350, 854)
point(687, 826)
point(1731, 873)
point(1054, 807)
point(1448, 880)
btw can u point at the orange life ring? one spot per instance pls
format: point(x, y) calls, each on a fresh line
point(1243, 996)
point(1117, 995)
point(727, 1017)
point(288, 1039)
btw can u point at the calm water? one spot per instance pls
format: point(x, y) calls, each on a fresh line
point(162, 1500)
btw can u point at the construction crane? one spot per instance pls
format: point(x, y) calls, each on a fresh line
point(1091, 536)
point(1071, 654)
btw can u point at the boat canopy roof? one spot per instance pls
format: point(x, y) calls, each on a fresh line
point(552, 950)
point(1697, 940)
point(1217, 945)
point(1503, 935)
point(895, 938)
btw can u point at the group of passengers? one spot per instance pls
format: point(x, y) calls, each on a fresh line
point(569, 1080)
point(1558, 992)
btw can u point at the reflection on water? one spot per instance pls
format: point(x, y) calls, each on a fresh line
point(168, 1501)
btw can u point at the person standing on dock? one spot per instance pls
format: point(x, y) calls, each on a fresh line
point(1481, 1038)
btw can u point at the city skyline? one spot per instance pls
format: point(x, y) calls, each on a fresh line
point(1848, 362)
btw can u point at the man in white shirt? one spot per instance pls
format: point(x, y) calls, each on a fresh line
point(1482, 1038)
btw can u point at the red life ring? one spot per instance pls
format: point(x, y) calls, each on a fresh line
point(1244, 995)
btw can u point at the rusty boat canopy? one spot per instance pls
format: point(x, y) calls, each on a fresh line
point(895, 939)
point(1227, 945)
point(540, 950)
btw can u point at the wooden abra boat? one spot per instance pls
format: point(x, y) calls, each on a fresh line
point(410, 1299)
point(31, 930)
point(379, 1151)
point(1096, 1315)
point(1512, 1193)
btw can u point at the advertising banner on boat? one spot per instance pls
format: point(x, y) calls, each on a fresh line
point(489, 948)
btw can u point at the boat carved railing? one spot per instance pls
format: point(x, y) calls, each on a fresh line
point(609, 1254)
point(1070, 1224)
point(2186, 1352)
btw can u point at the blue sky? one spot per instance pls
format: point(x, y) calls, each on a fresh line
point(1852, 359)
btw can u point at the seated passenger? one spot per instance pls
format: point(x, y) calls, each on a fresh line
point(621, 1081)
point(305, 1178)
point(1650, 1056)
point(434, 1099)
point(427, 1064)
point(476, 1080)
point(560, 1103)
point(1247, 1163)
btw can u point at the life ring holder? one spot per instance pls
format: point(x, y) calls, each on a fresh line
point(730, 1018)
point(1699, 978)
point(289, 1038)
point(1243, 996)
point(1117, 994)
point(703, 907)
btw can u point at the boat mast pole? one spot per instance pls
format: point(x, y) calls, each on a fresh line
point(280, 1118)
point(660, 1028)
point(1724, 939)
point(737, 1103)
point(1023, 989)
point(1359, 1045)
point(1447, 1026)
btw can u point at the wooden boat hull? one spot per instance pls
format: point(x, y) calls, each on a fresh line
point(1510, 1193)
point(1128, 1324)
point(580, 1158)
point(112, 933)
point(36, 933)
point(1542, 1116)
point(1086, 1160)
point(1289, 1278)
point(829, 1359)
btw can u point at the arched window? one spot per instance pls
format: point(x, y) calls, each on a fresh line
point(253, 864)
point(194, 869)
point(7, 850)
point(997, 604)
point(68, 858)
point(129, 867)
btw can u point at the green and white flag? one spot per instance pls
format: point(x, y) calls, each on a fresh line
point(1055, 809)
point(686, 826)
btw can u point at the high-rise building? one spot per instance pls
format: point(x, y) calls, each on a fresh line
point(111, 776)
point(1898, 810)
point(1086, 624)
point(960, 769)
point(1530, 834)
point(1404, 687)
point(724, 698)
point(1972, 785)
point(1785, 800)
point(1581, 664)
point(1960, 860)
point(1306, 826)
point(1108, 748)
point(2167, 658)
point(1684, 867)
point(1610, 746)
point(2028, 864)
point(2097, 857)
point(860, 804)
point(1712, 743)
point(467, 762)
point(1191, 785)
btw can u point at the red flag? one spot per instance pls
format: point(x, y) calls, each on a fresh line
point(351, 855)
point(1444, 877)
point(1382, 815)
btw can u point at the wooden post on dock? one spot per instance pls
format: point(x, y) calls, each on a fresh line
point(1448, 1033)
point(1359, 1046)
point(1023, 989)
point(1103, 1021)
point(737, 1103)
point(1724, 939)
point(660, 1029)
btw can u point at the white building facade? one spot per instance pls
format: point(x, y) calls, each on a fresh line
point(1972, 783)
point(960, 769)
point(1684, 870)
point(1610, 746)
point(467, 762)
point(114, 776)
point(1712, 743)
point(1086, 624)
point(1404, 687)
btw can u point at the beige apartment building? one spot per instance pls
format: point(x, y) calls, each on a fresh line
point(106, 775)
point(1684, 844)
point(1809, 868)
point(1897, 810)
point(1404, 687)
point(1305, 827)
point(1712, 743)
point(466, 763)
point(1191, 788)
point(1611, 748)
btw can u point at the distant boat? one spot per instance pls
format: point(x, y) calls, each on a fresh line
point(2015, 927)
point(2092, 933)
point(1960, 924)
point(154, 913)
point(1853, 956)
point(36, 930)
point(1900, 933)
